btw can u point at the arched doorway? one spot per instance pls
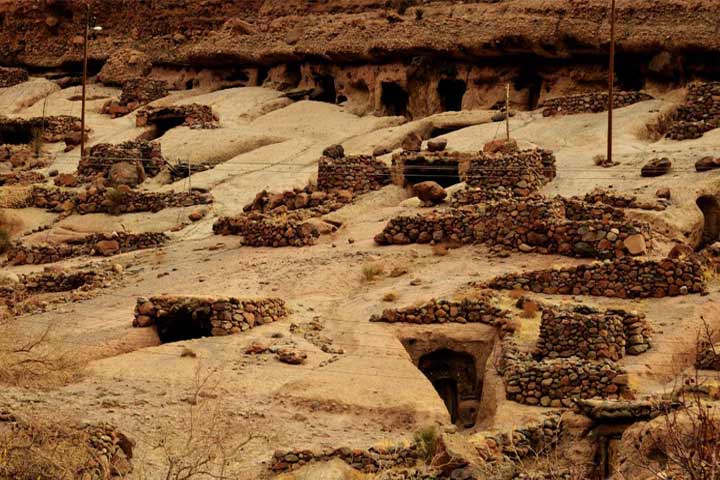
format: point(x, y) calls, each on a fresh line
point(710, 208)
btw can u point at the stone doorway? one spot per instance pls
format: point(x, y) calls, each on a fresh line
point(184, 324)
point(451, 92)
point(445, 172)
point(454, 377)
point(394, 99)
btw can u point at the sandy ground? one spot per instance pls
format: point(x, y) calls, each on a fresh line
point(371, 393)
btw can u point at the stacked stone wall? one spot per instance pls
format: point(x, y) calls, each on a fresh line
point(369, 461)
point(223, 315)
point(359, 174)
point(699, 113)
point(620, 200)
point(103, 155)
point(9, 77)
point(455, 225)
point(443, 311)
point(96, 244)
point(593, 102)
point(54, 128)
point(621, 278)
point(261, 230)
point(304, 203)
point(194, 115)
point(556, 382)
point(136, 92)
point(523, 172)
point(479, 195)
point(21, 178)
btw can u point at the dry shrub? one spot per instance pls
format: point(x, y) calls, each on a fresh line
point(371, 272)
point(43, 449)
point(427, 442)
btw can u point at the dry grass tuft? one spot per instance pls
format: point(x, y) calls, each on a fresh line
point(371, 272)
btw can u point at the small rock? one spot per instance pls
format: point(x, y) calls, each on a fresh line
point(707, 163)
point(656, 167)
point(430, 192)
point(379, 151)
point(291, 357)
point(107, 247)
point(197, 215)
point(334, 151)
point(635, 244)
point(412, 142)
point(663, 192)
point(437, 145)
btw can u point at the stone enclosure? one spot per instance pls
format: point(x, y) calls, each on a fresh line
point(186, 317)
point(136, 92)
point(590, 102)
point(699, 113)
point(10, 77)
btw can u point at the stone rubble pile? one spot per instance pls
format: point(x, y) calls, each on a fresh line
point(103, 156)
point(215, 316)
point(591, 334)
point(522, 441)
point(557, 382)
point(305, 203)
point(97, 244)
point(358, 174)
point(21, 178)
point(136, 93)
point(620, 278)
point(699, 113)
point(593, 102)
point(193, 115)
point(9, 76)
point(527, 224)
point(443, 311)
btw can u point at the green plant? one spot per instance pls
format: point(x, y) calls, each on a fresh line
point(427, 441)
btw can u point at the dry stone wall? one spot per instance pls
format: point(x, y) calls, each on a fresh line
point(699, 113)
point(260, 230)
point(620, 200)
point(216, 316)
point(523, 172)
point(358, 174)
point(621, 278)
point(304, 203)
point(593, 102)
point(136, 93)
point(443, 311)
point(369, 461)
point(455, 225)
point(103, 155)
point(54, 128)
point(10, 77)
point(96, 244)
point(588, 333)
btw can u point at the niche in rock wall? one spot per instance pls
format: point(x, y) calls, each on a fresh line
point(325, 89)
point(163, 124)
point(528, 79)
point(419, 169)
point(454, 377)
point(710, 208)
point(630, 73)
point(15, 133)
point(451, 92)
point(394, 99)
point(184, 324)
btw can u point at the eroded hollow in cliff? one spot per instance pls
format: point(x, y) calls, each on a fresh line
point(394, 99)
point(710, 208)
point(165, 123)
point(451, 92)
point(13, 133)
point(444, 172)
point(184, 324)
point(325, 89)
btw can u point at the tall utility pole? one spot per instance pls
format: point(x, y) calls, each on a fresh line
point(84, 81)
point(611, 83)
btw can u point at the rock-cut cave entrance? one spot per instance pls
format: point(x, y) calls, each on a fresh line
point(710, 207)
point(451, 92)
point(394, 99)
point(184, 324)
point(164, 123)
point(454, 377)
point(325, 89)
point(444, 172)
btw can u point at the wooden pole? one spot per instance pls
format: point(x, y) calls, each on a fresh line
point(507, 111)
point(84, 82)
point(611, 84)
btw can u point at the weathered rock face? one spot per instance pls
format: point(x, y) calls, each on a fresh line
point(125, 65)
point(10, 77)
point(699, 114)
point(96, 244)
point(622, 278)
point(192, 317)
point(590, 102)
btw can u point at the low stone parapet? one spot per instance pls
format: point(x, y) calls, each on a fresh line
point(9, 76)
point(261, 230)
point(98, 244)
point(365, 460)
point(699, 113)
point(304, 203)
point(443, 311)
point(192, 115)
point(207, 316)
point(523, 171)
point(358, 174)
point(621, 278)
point(455, 225)
point(103, 155)
point(593, 102)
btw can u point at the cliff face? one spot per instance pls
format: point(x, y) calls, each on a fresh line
point(46, 33)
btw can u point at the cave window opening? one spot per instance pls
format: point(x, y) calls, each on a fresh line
point(162, 125)
point(184, 324)
point(630, 75)
point(394, 99)
point(293, 75)
point(451, 92)
point(710, 207)
point(262, 76)
point(15, 134)
point(444, 172)
point(325, 89)
point(189, 84)
point(239, 76)
point(532, 81)
point(453, 376)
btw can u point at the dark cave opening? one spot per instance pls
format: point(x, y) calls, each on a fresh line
point(394, 99)
point(184, 324)
point(451, 92)
point(444, 172)
point(15, 133)
point(454, 378)
point(325, 89)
